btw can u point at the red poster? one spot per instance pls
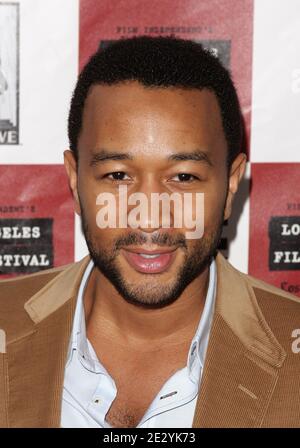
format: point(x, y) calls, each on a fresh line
point(274, 252)
point(224, 26)
point(36, 219)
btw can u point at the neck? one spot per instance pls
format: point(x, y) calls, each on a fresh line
point(109, 315)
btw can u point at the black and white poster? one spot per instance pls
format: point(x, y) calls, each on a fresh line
point(9, 73)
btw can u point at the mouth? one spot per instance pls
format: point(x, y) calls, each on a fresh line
point(150, 261)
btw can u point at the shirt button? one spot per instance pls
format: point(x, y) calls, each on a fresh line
point(97, 400)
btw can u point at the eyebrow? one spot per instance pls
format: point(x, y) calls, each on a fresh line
point(194, 156)
point(103, 155)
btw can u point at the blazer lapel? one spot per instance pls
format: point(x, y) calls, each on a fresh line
point(243, 357)
point(36, 359)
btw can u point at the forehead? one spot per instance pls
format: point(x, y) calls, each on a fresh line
point(132, 115)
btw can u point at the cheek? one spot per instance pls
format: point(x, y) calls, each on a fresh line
point(214, 202)
point(88, 191)
point(101, 237)
point(89, 210)
point(207, 206)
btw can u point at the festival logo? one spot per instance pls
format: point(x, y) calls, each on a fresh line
point(36, 219)
point(274, 250)
point(284, 250)
point(26, 245)
point(219, 48)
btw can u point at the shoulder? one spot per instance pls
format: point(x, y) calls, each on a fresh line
point(14, 292)
point(270, 289)
point(279, 308)
point(28, 299)
point(255, 283)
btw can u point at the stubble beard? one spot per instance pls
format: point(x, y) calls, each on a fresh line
point(152, 292)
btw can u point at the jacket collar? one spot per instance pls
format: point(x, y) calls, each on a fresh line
point(57, 292)
point(235, 302)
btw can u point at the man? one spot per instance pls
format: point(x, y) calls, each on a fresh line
point(154, 328)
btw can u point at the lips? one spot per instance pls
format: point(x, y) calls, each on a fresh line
point(149, 262)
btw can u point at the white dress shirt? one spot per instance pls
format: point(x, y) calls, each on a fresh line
point(89, 390)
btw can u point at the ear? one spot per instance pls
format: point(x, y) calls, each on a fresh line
point(236, 174)
point(71, 169)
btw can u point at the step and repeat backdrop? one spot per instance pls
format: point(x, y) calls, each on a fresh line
point(43, 46)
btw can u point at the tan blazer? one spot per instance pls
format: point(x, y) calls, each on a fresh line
point(251, 376)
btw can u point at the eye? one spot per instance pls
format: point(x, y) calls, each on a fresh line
point(116, 175)
point(185, 177)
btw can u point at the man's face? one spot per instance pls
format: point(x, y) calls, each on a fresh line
point(144, 138)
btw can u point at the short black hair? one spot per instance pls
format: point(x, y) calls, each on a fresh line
point(160, 62)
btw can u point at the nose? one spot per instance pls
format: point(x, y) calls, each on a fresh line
point(150, 207)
